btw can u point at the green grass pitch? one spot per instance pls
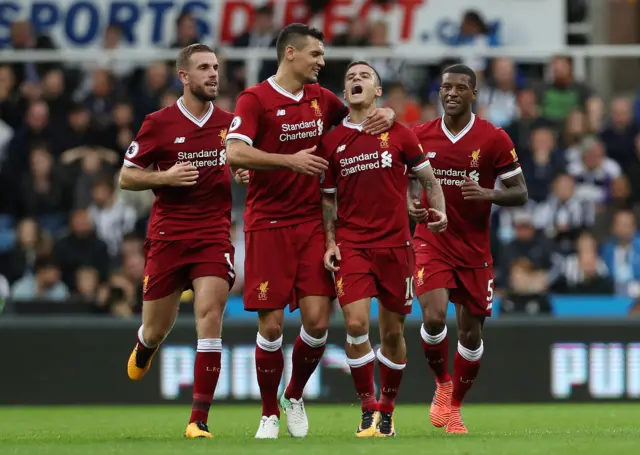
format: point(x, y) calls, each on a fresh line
point(607, 429)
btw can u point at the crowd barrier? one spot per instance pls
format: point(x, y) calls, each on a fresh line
point(83, 361)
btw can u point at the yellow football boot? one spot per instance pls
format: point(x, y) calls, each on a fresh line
point(197, 430)
point(368, 424)
point(135, 368)
point(386, 428)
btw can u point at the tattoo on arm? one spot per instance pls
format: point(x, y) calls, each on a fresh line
point(514, 193)
point(329, 215)
point(432, 188)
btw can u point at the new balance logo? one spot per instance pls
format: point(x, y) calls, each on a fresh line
point(280, 113)
point(386, 159)
point(474, 175)
point(431, 154)
point(341, 148)
point(179, 140)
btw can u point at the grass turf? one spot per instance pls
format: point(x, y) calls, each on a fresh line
point(562, 429)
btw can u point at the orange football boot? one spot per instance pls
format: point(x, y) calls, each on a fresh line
point(455, 424)
point(135, 371)
point(197, 430)
point(441, 405)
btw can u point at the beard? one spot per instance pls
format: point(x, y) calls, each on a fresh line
point(200, 94)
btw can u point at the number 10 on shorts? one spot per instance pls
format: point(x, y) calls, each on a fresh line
point(408, 295)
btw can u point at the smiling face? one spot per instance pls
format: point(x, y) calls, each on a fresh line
point(457, 94)
point(361, 87)
point(307, 59)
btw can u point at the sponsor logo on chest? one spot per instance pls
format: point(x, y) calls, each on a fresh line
point(448, 174)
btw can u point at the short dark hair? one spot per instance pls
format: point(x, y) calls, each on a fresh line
point(362, 62)
point(291, 36)
point(462, 69)
point(182, 62)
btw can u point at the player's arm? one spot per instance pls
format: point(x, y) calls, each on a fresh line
point(141, 154)
point(509, 172)
point(330, 216)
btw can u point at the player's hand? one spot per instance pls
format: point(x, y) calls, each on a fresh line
point(305, 162)
point(472, 191)
point(418, 213)
point(241, 176)
point(379, 121)
point(181, 174)
point(331, 258)
point(438, 221)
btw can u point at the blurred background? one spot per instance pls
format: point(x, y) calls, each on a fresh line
point(560, 76)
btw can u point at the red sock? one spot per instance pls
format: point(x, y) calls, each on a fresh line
point(362, 373)
point(464, 372)
point(390, 378)
point(143, 353)
point(269, 366)
point(307, 352)
point(206, 372)
point(436, 350)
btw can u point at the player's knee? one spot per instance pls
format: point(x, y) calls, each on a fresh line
point(434, 319)
point(316, 328)
point(470, 338)
point(357, 326)
point(154, 335)
point(392, 336)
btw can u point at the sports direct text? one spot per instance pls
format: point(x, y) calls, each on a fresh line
point(203, 158)
point(302, 130)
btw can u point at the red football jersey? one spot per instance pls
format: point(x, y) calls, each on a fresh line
point(174, 135)
point(273, 120)
point(370, 175)
point(483, 153)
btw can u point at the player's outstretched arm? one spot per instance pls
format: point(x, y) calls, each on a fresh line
point(435, 196)
point(135, 179)
point(414, 206)
point(329, 216)
point(242, 155)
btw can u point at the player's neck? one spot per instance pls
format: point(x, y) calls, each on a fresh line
point(196, 107)
point(457, 124)
point(286, 80)
point(358, 115)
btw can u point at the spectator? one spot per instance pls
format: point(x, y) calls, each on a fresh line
point(32, 243)
point(87, 283)
point(619, 136)
point(584, 272)
point(620, 200)
point(111, 218)
point(575, 130)
point(406, 109)
point(526, 120)
point(527, 243)
point(622, 254)
point(12, 105)
point(45, 284)
point(81, 247)
point(542, 164)
point(476, 34)
point(563, 216)
point(43, 189)
point(594, 173)
point(56, 96)
point(563, 93)
point(78, 130)
point(28, 74)
point(526, 292)
point(150, 91)
point(117, 296)
point(499, 97)
point(101, 99)
point(186, 31)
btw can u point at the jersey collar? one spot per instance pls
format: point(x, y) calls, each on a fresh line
point(272, 82)
point(193, 118)
point(456, 137)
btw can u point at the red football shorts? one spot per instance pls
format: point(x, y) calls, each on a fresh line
point(284, 265)
point(171, 265)
point(376, 272)
point(470, 287)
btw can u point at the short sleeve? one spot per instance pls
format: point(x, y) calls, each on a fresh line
point(412, 152)
point(328, 179)
point(140, 153)
point(244, 125)
point(336, 109)
point(506, 161)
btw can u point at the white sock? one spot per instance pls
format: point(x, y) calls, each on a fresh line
point(471, 355)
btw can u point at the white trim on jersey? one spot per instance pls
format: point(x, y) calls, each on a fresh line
point(128, 163)
point(421, 166)
point(456, 137)
point(241, 137)
point(353, 126)
point(510, 174)
point(193, 118)
point(328, 190)
point(272, 82)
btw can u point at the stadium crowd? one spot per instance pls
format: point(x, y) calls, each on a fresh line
point(67, 230)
